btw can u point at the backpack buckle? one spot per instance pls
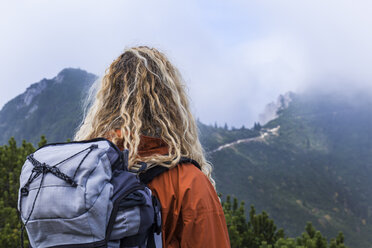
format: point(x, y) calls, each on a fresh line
point(24, 191)
point(138, 168)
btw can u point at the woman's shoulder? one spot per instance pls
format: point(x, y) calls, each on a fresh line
point(182, 176)
point(184, 183)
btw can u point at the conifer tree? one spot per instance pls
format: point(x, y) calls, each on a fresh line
point(257, 126)
point(259, 231)
point(11, 161)
point(251, 234)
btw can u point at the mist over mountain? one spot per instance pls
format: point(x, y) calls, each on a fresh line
point(310, 159)
point(313, 164)
point(271, 110)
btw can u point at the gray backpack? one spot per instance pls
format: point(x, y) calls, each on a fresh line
point(81, 194)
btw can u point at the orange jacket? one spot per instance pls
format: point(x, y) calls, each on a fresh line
point(192, 214)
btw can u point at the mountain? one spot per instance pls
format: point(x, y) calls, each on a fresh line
point(311, 160)
point(51, 107)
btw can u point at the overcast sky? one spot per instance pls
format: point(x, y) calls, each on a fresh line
point(235, 56)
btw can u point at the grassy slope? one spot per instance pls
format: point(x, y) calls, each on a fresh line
point(318, 169)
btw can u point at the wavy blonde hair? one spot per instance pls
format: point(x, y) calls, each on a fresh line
point(142, 94)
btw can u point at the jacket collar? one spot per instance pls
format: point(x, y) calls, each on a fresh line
point(152, 145)
point(149, 145)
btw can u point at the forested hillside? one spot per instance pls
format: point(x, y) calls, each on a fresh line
point(312, 162)
point(51, 107)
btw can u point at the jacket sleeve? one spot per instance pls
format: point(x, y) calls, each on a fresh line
point(202, 217)
point(192, 214)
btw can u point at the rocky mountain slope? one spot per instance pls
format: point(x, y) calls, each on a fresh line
point(51, 107)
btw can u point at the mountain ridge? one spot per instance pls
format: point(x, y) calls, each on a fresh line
point(66, 91)
point(312, 162)
point(318, 168)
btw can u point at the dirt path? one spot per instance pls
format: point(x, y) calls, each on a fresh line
point(264, 135)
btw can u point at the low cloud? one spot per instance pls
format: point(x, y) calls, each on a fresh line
point(235, 56)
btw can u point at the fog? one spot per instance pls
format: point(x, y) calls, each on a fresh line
point(235, 56)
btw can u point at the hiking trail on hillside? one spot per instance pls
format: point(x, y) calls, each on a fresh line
point(264, 134)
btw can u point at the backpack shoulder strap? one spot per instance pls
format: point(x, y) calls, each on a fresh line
point(147, 176)
point(184, 160)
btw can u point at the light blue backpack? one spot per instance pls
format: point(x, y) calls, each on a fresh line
point(81, 194)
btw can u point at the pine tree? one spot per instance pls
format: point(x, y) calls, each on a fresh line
point(11, 161)
point(259, 231)
point(257, 126)
point(249, 233)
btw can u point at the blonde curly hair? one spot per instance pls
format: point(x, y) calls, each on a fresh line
point(142, 94)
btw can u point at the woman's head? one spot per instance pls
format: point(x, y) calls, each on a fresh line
point(142, 94)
